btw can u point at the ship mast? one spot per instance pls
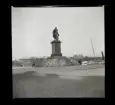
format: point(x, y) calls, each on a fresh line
point(93, 48)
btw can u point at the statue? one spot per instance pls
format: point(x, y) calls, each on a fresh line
point(55, 33)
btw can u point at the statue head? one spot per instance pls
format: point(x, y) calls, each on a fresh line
point(55, 27)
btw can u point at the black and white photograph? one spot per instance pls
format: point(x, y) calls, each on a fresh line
point(58, 52)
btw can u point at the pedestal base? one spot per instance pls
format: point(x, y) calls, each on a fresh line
point(56, 48)
point(52, 55)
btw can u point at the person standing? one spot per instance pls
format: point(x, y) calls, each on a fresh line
point(80, 62)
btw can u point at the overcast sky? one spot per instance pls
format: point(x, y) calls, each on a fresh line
point(32, 30)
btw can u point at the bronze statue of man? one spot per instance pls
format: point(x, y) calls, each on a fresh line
point(55, 33)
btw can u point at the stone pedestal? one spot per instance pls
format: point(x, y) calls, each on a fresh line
point(56, 48)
